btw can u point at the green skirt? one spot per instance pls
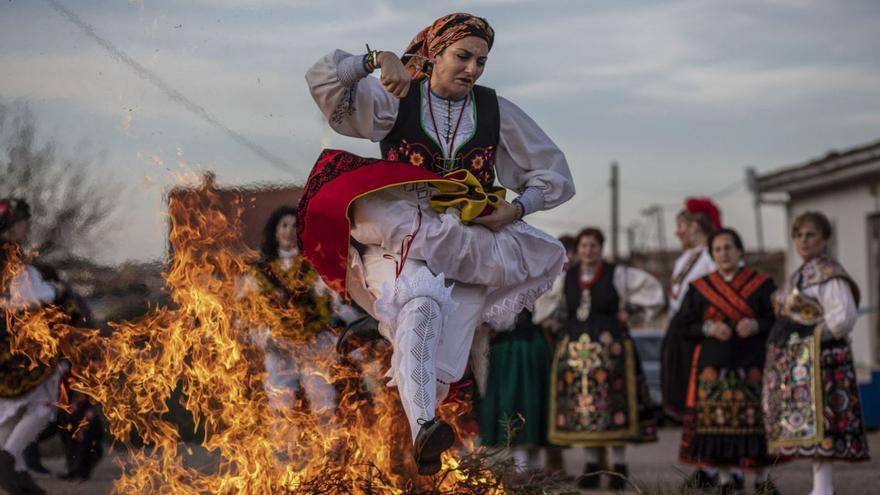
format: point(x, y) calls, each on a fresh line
point(518, 384)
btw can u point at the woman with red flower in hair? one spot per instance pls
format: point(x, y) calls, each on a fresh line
point(411, 240)
point(694, 225)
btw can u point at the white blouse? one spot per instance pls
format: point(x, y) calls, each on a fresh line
point(701, 268)
point(634, 286)
point(838, 306)
point(361, 107)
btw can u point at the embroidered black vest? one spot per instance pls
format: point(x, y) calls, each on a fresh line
point(604, 298)
point(411, 142)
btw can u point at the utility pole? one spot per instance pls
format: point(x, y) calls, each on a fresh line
point(655, 214)
point(752, 185)
point(615, 211)
point(631, 239)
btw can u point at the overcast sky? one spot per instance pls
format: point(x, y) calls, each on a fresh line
point(683, 94)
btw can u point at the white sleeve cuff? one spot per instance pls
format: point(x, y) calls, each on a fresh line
point(350, 70)
point(531, 199)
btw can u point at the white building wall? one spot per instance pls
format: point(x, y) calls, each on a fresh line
point(848, 208)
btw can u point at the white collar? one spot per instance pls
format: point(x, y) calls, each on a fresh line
point(284, 254)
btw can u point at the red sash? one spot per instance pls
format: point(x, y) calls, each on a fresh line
point(729, 300)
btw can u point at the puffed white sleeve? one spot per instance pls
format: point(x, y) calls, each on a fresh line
point(529, 163)
point(550, 305)
point(838, 306)
point(354, 103)
point(640, 288)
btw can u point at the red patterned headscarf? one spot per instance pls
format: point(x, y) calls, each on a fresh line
point(438, 36)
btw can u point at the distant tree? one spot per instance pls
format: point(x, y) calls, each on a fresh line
point(73, 206)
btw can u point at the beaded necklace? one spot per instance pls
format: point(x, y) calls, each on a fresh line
point(448, 162)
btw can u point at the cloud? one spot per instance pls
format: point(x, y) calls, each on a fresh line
point(748, 86)
point(693, 53)
point(639, 81)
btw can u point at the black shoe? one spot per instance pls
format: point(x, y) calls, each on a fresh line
point(618, 483)
point(739, 481)
point(358, 334)
point(434, 438)
point(766, 488)
point(32, 460)
point(7, 474)
point(728, 488)
point(701, 479)
point(590, 479)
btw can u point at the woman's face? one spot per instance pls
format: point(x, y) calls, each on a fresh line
point(684, 232)
point(808, 241)
point(725, 253)
point(589, 251)
point(285, 232)
point(458, 67)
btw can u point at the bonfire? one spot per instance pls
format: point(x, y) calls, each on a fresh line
point(201, 345)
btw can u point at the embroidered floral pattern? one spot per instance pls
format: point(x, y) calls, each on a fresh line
point(480, 161)
point(789, 404)
point(799, 423)
point(303, 311)
point(338, 163)
point(729, 402)
point(416, 158)
point(591, 395)
point(600, 393)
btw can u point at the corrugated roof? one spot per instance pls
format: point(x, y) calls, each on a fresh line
point(834, 167)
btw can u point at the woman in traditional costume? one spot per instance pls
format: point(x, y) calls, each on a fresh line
point(28, 392)
point(411, 240)
point(728, 314)
point(699, 219)
point(599, 397)
point(518, 386)
point(284, 280)
point(514, 409)
point(812, 407)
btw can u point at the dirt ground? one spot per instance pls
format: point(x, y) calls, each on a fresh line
point(653, 468)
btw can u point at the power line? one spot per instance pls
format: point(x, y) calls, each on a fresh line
point(724, 192)
point(728, 190)
point(173, 94)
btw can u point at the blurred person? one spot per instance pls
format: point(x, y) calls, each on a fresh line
point(28, 393)
point(699, 219)
point(517, 387)
point(811, 402)
point(599, 397)
point(728, 313)
point(553, 462)
point(79, 424)
point(405, 242)
point(284, 279)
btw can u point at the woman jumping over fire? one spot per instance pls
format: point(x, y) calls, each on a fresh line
point(422, 239)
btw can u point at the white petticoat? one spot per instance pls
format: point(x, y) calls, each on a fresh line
point(516, 264)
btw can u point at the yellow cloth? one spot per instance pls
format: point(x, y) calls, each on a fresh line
point(463, 191)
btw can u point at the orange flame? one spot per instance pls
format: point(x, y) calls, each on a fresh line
point(202, 345)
